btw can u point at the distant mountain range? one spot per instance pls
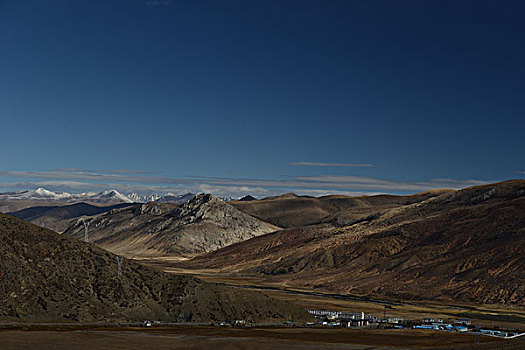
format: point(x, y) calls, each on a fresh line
point(104, 197)
point(62, 215)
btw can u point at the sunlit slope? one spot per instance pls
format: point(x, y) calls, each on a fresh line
point(203, 224)
point(289, 210)
point(464, 245)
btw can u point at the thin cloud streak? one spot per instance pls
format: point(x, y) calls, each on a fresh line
point(333, 164)
point(325, 183)
point(117, 171)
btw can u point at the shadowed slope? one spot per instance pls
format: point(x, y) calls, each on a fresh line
point(48, 277)
point(59, 217)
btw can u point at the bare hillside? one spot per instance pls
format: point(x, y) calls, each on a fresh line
point(48, 277)
point(289, 210)
point(464, 245)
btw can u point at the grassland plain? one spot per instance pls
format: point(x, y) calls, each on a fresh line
point(505, 316)
point(195, 337)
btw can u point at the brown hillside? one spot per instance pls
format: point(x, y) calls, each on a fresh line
point(460, 246)
point(289, 210)
point(48, 277)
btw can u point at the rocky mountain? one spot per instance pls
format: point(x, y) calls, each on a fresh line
point(165, 198)
point(60, 217)
point(459, 246)
point(46, 277)
point(203, 224)
point(290, 210)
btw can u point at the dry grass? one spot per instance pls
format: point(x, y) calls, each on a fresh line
point(484, 315)
point(235, 338)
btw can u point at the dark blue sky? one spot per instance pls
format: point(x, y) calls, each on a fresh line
point(225, 96)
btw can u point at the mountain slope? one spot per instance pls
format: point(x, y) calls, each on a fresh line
point(289, 210)
point(203, 224)
point(48, 277)
point(460, 246)
point(59, 218)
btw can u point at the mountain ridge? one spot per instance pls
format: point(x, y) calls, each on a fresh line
point(463, 246)
point(203, 224)
point(289, 210)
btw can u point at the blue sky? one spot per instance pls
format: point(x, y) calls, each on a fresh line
point(261, 97)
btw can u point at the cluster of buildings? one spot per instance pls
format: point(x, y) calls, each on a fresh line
point(360, 319)
point(464, 325)
point(350, 319)
point(459, 325)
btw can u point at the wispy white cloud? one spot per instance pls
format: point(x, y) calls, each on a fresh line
point(333, 164)
point(312, 185)
point(374, 184)
point(116, 171)
point(319, 193)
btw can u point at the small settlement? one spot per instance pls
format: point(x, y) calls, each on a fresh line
point(331, 318)
point(345, 319)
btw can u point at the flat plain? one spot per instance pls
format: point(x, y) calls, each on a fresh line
point(195, 337)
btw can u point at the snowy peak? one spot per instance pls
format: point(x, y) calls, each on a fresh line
point(104, 197)
point(38, 194)
point(135, 197)
point(42, 194)
point(111, 196)
point(153, 198)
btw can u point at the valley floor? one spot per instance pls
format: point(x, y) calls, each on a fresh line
point(243, 338)
point(509, 317)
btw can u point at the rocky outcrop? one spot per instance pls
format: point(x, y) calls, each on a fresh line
point(203, 224)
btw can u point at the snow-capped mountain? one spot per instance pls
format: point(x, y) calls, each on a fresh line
point(167, 198)
point(104, 197)
point(135, 197)
point(110, 196)
point(38, 194)
point(41, 194)
point(152, 198)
